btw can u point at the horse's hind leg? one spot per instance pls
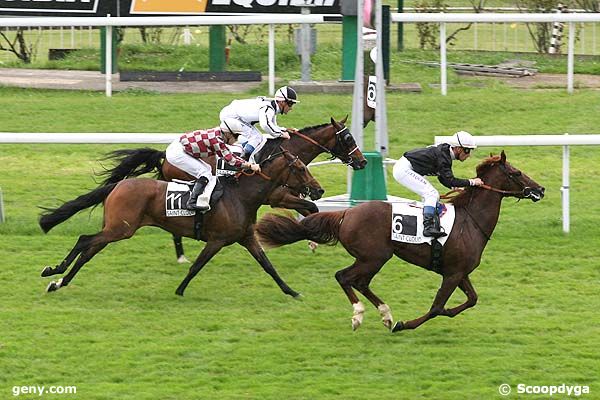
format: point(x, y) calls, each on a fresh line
point(86, 255)
point(82, 242)
point(468, 289)
point(359, 276)
point(449, 284)
point(181, 258)
point(92, 245)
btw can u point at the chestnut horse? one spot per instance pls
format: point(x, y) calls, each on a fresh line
point(133, 203)
point(365, 232)
point(333, 138)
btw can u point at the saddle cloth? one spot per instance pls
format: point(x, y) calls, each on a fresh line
point(178, 193)
point(407, 222)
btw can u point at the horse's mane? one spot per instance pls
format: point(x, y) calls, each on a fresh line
point(463, 199)
point(271, 146)
point(309, 129)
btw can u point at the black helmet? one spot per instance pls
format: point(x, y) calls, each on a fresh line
point(287, 94)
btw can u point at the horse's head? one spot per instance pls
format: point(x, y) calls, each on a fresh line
point(288, 170)
point(499, 174)
point(345, 147)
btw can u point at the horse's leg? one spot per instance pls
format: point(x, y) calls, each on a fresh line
point(449, 284)
point(468, 289)
point(359, 276)
point(344, 278)
point(181, 258)
point(204, 257)
point(118, 229)
point(252, 245)
point(384, 309)
point(280, 198)
point(91, 249)
point(62, 267)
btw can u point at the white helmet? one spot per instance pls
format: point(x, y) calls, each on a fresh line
point(232, 126)
point(287, 94)
point(463, 139)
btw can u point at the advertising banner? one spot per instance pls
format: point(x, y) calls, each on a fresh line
point(133, 8)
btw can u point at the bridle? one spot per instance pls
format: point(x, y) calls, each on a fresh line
point(511, 176)
point(302, 189)
point(338, 143)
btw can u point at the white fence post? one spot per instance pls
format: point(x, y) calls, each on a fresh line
point(271, 59)
point(570, 57)
point(443, 71)
point(108, 59)
point(564, 190)
point(1, 207)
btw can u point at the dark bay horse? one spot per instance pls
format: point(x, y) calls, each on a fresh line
point(365, 232)
point(134, 203)
point(333, 138)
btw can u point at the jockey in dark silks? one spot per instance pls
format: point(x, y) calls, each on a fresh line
point(436, 161)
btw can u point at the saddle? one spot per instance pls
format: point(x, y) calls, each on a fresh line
point(177, 195)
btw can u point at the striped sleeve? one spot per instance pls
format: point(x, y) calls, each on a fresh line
point(223, 151)
point(268, 123)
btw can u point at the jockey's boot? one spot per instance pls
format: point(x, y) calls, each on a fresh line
point(198, 189)
point(431, 226)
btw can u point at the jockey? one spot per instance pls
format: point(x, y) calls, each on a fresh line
point(187, 151)
point(241, 116)
point(434, 160)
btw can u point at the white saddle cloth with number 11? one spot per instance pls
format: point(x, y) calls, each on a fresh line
point(407, 222)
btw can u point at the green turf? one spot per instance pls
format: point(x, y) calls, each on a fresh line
point(119, 331)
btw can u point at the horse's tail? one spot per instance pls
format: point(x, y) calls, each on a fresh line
point(276, 230)
point(132, 163)
point(54, 216)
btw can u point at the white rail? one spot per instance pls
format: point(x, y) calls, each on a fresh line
point(443, 19)
point(90, 138)
point(110, 22)
point(565, 140)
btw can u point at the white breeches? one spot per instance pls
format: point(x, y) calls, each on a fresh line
point(193, 166)
point(248, 133)
point(404, 175)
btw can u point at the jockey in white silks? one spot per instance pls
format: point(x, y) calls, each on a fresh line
point(434, 161)
point(240, 116)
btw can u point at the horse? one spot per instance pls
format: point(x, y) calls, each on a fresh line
point(133, 203)
point(365, 233)
point(333, 138)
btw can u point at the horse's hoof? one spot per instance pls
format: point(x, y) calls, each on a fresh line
point(52, 287)
point(398, 327)
point(182, 259)
point(47, 271)
point(387, 323)
point(355, 324)
point(179, 292)
point(297, 296)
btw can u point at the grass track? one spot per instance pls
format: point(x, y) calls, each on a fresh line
point(118, 331)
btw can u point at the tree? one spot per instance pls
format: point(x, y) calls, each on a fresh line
point(540, 32)
point(18, 45)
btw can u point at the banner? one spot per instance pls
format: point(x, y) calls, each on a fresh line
point(140, 8)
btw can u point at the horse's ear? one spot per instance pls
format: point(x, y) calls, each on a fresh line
point(333, 121)
point(502, 157)
point(345, 119)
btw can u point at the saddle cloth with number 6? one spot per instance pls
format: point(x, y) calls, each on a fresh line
point(407, 222)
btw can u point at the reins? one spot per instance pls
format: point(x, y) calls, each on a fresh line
point(325, 149)
point(311, 140)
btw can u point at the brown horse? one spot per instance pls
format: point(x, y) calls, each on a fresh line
point(477, 211)
point(333, 138)
point(133, 203)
